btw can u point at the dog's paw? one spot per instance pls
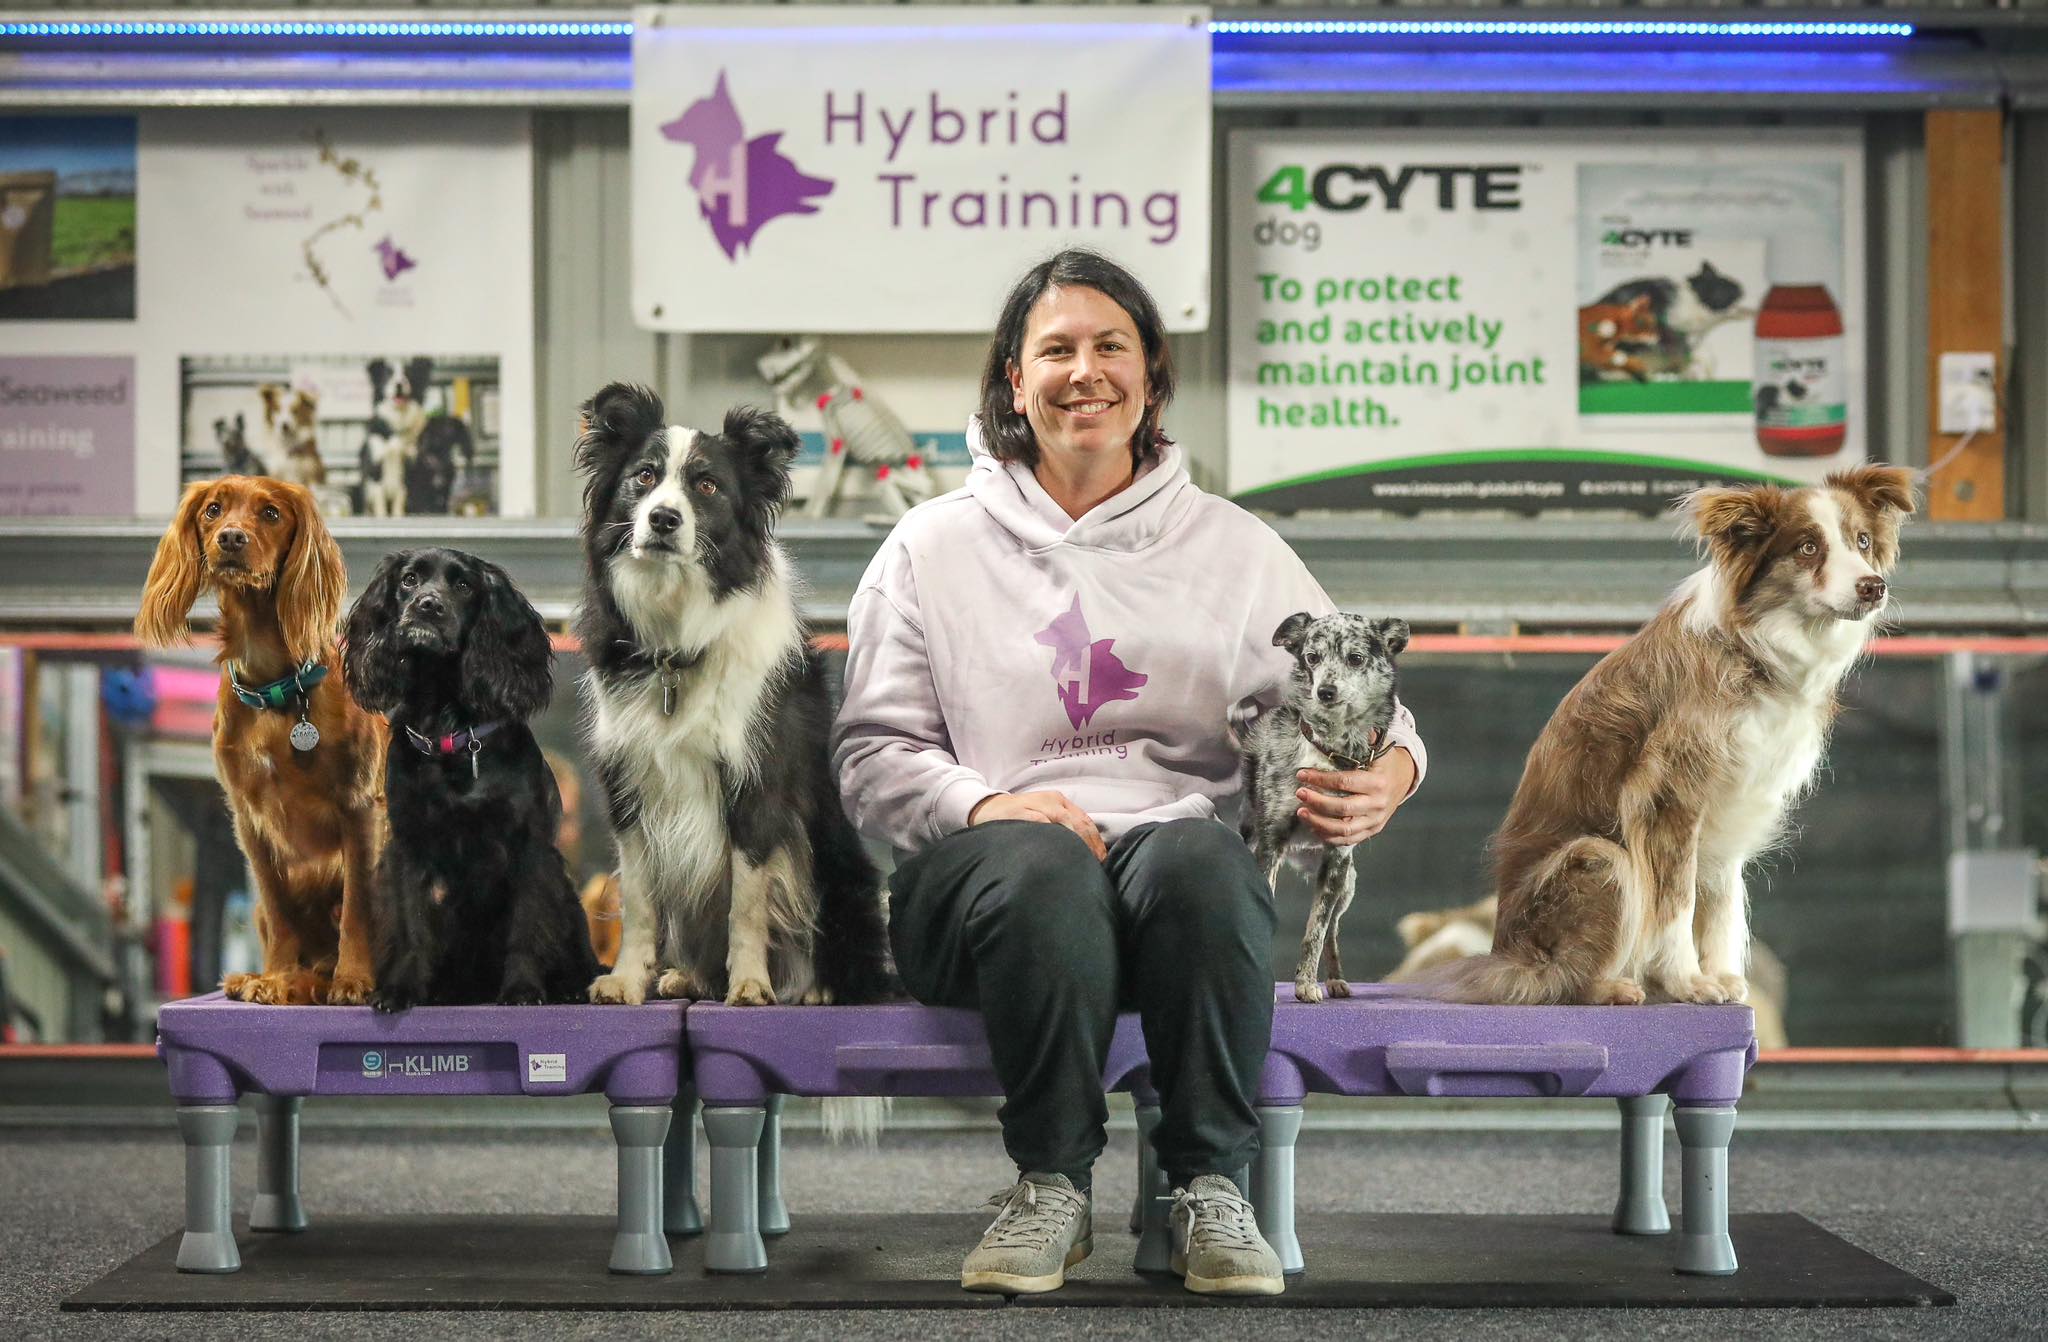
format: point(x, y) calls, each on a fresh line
point(1307, 990)
point(1337, 988)
point(522, 994)
point(389, 1000)
point(619, 989)
point(750, 992)
point(237, 986)
point(1734, 985)
point(306, 988)
point(350, 990)
point(290, 988)
point(680, 984)
point(1615, 992)
point(819, 996)
point(1705, 989)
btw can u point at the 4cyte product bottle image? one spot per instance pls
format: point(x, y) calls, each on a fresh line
point(1802, 383)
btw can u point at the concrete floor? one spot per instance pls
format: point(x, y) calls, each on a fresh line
point(1960, 1209)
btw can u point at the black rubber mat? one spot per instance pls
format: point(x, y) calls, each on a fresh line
point(897, 1262)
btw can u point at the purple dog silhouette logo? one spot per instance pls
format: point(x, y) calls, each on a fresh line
point(393, 258)
point(740, 183)
point(1087, 673)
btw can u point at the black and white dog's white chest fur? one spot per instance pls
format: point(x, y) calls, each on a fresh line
point(740, 877)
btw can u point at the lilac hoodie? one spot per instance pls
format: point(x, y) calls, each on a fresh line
point(999, 646)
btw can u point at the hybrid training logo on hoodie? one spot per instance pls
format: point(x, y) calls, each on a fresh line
point(741, 184)
point(1085, 671)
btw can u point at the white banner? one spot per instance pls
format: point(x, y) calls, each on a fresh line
point(1527, 319)
point(869, 169)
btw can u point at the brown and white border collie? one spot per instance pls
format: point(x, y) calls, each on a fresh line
point(1673, 763)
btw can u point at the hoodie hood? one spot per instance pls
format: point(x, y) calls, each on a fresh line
point(1132, 519)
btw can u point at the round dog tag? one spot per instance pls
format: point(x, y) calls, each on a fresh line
point(305, 735)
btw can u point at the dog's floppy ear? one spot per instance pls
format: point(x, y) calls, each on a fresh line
point(312, 581)
point(507, 666)
point(369, 658)
point(175, 575)
point(1393, 634)
point(419, 375)
point(1878, 487)
point(1738, 518)
point(1291, 630)
point(767, 447)
point(380, 375)
point(615, 421)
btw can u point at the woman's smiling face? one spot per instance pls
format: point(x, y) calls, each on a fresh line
point(1080, 382)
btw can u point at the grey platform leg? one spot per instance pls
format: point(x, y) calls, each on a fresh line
point(1640, 1208)
point(774, 1215)
point(277, 1205)
point(639, 1246)
point(679, 1214)
point(1154, 1201)
point(1704, 1248)
point(209, 1242)
point(1273, 1184)
point(733, 1243)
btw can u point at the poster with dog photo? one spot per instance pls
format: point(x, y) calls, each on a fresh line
point(1528, 319)
point(346, 303)
point(370, 435)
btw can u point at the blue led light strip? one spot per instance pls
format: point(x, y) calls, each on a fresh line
point(1226, 27)
point(1554, 28)
point(334, 28)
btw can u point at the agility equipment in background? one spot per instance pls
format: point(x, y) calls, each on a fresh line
point(859, 427)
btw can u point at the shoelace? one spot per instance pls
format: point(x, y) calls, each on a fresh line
point(1226, 1217)
point(1023, 1223)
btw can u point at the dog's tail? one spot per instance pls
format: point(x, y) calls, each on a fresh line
point(1496, 980)
point(858, 1118)
point(1238, 721)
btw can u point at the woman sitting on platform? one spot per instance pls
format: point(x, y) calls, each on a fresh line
point(1066, 859)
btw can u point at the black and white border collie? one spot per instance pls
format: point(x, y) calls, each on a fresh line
point(741, 878)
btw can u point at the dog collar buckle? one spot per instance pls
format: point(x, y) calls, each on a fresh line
point(1379, 747)
point(669, 681)
point(279, 695)
point(470, 739)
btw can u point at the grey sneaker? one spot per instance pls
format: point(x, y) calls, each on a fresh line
point(1043, 1229)
point(1217, 1247)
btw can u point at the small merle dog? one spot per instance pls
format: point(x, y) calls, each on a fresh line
point(741, 878)
point(1339, 704)
point(474, 902)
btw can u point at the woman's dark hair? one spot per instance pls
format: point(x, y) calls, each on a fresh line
point(1006, 434)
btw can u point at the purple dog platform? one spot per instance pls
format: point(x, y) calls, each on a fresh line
point(217, 1050)
point(1375, 1042)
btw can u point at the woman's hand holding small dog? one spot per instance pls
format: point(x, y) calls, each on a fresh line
point(1350, 806)
point(1048, 808)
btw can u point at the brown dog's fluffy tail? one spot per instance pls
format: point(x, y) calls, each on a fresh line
point(1497, 980)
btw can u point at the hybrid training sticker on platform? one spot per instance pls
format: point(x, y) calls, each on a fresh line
point(896, 170)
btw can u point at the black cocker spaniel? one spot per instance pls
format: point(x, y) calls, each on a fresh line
point(474, 902)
